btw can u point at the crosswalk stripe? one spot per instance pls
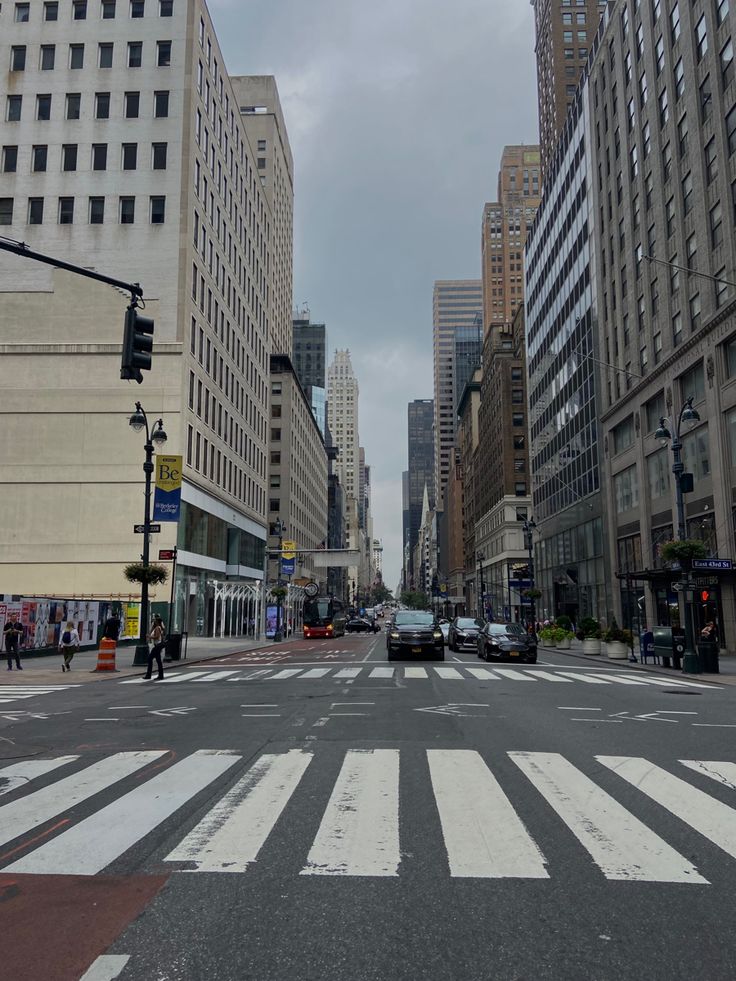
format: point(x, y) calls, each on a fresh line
point(618, 679)
point(285, 673)
point(621, 845)
point(583, 677)
point(173, 679)
point(723, 772)
point(548, 676)
point(348, 673)
point(217, 675)
point(20, 774)
point(21, 816)
point(410, 673)
point(676, 682)
point(705, 814)
point(230, 837)
point(316, 672)
point(513, 675)
point(449, 674)
point(91, 845)
point(359, 833)
point(483, 674)
point(382, 673)
point(484, 836)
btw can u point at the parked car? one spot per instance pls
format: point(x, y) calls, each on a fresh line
point(359, 625)
point(463, 633)
point(414, 633)
point(506, 642)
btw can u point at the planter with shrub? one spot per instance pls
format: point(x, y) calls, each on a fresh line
point(618, 642)
point(589, 634)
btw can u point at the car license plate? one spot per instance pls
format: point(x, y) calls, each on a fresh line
point(514, 653)
point(416, 650)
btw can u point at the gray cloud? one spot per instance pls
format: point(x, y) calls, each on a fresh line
point(397, 113)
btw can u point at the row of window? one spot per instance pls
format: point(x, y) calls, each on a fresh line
point(73, 106)
point(212, 463)
point(75, 58)
point(70, 155)
point(65, 208)
point(80, 8)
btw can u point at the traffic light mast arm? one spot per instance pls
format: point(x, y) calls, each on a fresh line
point(20, 248)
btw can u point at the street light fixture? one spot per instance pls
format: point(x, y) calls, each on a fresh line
point(154, 440)
point(529, 527)
point(683, 484)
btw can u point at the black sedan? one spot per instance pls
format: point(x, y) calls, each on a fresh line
point(463, 633)
point(506, 642)
point(359, 625)
point(413, 634)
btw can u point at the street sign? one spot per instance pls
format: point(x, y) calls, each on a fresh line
point(724, 565)
point(141, 529)
point(288, 549)
point(166, 554)
point(679, 586)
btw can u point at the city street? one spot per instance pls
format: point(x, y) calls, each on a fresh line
point(307, 812)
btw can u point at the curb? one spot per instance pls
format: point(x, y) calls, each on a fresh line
point(714, 679)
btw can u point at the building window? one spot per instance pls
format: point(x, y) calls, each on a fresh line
point(711, 161)
point(79, 10)
point(69, 156)
point(160, 105)
point(43, 107)
point(127, 210)
point(721, 287)
point(677, 329)
point(76, 56)
point(51, 11)
point(73, 105)
point(66, 211)
point(692, 383)
point(13, 108)
point(730, 351)
point(727, 64)
point(695, 312)
point(623, 435)
point(682, 133)
point(22, 13)
point(159, 156)
point(102, 105)
point(48, 57)
point(135, 54)
point(130, 156)
point(658, 472)
point(132, 104)
point(722, 7)
point(137, 8)
point(39, 157)
point(731, 129)
point(6, 211)
point(701, 38)
point(696, 453)
point(10, 159)
point(35, 211)
point(664, 109)
point(687, 193)
point(520, 488)
point(158, 210)
point(96, 211)
point(675, 22)
point(18, 58)
point(99, 156)
point(163, 54)
point(108, 9)
point(104, 55)
point(716, 225)
point(626, 488)
point(670, 216)
point(166, 8)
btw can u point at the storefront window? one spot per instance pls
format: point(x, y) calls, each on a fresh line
point(629, 553)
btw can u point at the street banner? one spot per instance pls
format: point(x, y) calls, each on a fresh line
point(288, 549)
point(288, 567)
point(167, 496)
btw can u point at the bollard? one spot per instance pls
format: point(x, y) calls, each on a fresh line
point(106, 655)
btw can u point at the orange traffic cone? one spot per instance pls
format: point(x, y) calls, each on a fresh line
point(106, 655)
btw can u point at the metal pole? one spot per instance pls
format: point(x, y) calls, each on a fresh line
point(277, 632)
point(690, 660)
point(141, 651)
point(173, 588)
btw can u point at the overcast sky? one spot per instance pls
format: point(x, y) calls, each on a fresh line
point(397, 113)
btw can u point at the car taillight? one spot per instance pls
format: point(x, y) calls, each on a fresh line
point(329, 628)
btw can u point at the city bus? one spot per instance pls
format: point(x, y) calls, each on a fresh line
point(324, 616)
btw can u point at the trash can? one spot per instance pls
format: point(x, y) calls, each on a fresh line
point(173, 647)
point(708, 653)
point(663, 644)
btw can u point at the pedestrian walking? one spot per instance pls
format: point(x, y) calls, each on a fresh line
point(12, 633)
point(68, 644)
point(157, 636)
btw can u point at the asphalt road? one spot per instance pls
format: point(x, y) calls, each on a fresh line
point(309, 813)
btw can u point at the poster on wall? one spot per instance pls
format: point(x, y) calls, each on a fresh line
point(131, 620)
point(271, 620)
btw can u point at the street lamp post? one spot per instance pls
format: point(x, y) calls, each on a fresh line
point(529, 527)
point(688, 415)
point(482, 601)
point(279, 529)
point(155, 439)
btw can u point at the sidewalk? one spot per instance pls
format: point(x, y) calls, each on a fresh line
point(726, 663)
point(43, 670)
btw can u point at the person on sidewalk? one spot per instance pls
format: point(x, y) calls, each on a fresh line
point(68, 644)
point(12, 633)
point(157, 636)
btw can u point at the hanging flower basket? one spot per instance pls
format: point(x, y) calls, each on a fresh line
point(151, 574)
point(279, 592)
point(532, 593)
point(683, 551)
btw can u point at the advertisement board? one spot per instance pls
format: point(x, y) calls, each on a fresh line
point(167, 495)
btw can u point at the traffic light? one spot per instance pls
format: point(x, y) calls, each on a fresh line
point(705, 595)
point(137, 345)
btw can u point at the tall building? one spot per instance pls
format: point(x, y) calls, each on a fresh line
point(124, 149)
point(342, 421)
point(421, 467)
point(310, 362)
point(455, 305)
point(467, 348)
point(667, 324)
point(503, 234)
point(561, 311)
point(469, 453)
point(563, 36)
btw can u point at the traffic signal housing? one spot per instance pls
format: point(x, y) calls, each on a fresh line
point(137, 345)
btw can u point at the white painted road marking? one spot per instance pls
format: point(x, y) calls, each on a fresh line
point(98, 840)
point(106, 967)
point(316, 672)
point(231, 835)
point(483, 674)
point(449, 674)
point(513, 675)
point(18, 774)
point(359, 833)
point(548, 676)
point(382, 673)
point(484, 836)
point(621, 845)
point(724, 773)
point(410, 673)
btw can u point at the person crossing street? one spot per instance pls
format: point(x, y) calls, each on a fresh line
point(159, 642)
point(68, 644)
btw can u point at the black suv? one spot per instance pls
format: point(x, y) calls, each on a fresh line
point(463, 633)
point(412, 634)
